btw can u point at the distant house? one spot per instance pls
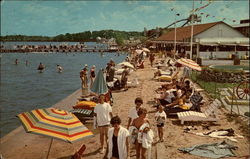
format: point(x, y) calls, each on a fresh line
point(213, 37)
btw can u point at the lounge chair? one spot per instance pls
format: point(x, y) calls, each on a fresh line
point(168, 78)
point(208, 115)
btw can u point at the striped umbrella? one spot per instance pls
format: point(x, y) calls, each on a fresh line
point(55, 123)
point(189, 63)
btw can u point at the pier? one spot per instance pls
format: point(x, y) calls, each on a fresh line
point(55, 49)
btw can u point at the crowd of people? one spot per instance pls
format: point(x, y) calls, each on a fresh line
point(41, 66)
point(118, 138)
point(172, 97)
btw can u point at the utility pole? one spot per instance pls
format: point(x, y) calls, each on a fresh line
point(175, 33)
point(192, 30)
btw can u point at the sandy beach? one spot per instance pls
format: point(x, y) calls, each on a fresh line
point(19, 144)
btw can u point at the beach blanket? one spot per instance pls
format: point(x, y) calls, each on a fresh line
point(222, 134)
point(214, 150)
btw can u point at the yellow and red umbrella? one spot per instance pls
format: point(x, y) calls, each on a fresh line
point(189, 63)
point(55, 123)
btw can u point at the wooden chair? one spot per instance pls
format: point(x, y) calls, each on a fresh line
point(79, 153)
point(210, 114)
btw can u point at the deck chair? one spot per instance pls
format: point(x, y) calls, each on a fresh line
point(79, 153)
point(210, 114)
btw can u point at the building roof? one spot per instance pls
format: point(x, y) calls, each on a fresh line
point(185, 32)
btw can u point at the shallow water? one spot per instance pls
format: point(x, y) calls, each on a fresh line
point(24, 89)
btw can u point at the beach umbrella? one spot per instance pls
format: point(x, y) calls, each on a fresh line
point(146, 49)
point(189, 63)
point(126, 64)
point(99, 86)
point(54, 123)
point(138, 51)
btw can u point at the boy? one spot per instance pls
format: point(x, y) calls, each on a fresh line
point(160, 118)
point(103, 113)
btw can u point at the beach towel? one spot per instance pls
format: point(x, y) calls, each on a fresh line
point(222, 134)
point(121, 141)
point(133, 131)
point(214, 150)
point(145, 139)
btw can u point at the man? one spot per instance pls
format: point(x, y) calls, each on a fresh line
point(124, 78)
point(103, 114)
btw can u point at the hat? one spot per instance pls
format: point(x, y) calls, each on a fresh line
point(86, 65)
point(93, 66)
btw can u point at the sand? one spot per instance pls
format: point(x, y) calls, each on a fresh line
point(21, 145)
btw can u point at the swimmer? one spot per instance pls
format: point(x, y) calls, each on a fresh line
point(59, 68)
point(16, 61)
point(41, 67)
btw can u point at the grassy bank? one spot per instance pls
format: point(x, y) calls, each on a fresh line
point(211, 87)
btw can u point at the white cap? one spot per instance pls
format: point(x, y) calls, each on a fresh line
point(93, 66)
point(86, 65)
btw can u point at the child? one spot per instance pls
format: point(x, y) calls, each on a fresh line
point(160, 118)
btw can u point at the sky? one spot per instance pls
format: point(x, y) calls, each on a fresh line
point(50, 18)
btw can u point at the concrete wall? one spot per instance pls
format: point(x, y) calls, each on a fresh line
point(219, 30)
point(216, 62)
point(222, 54)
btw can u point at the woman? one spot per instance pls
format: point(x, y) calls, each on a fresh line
point(118, 140)
point(83, 76)
point(92, 75)
point(144, 138)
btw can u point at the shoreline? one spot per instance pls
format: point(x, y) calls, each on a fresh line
point(36, 146)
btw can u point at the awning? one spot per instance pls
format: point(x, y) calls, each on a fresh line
point(240, 41)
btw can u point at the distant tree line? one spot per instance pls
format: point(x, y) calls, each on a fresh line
point(79, 37)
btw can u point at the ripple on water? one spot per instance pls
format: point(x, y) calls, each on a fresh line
point(25, 89)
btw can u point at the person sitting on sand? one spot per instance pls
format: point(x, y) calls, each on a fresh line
point(140, 64)
point(160, 118)
point(165, 97)
point(118, 140)
point(103, 114)
point(133, 111)
point(143, 140)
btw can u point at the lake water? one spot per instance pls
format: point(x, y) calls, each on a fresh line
point(24, 89)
